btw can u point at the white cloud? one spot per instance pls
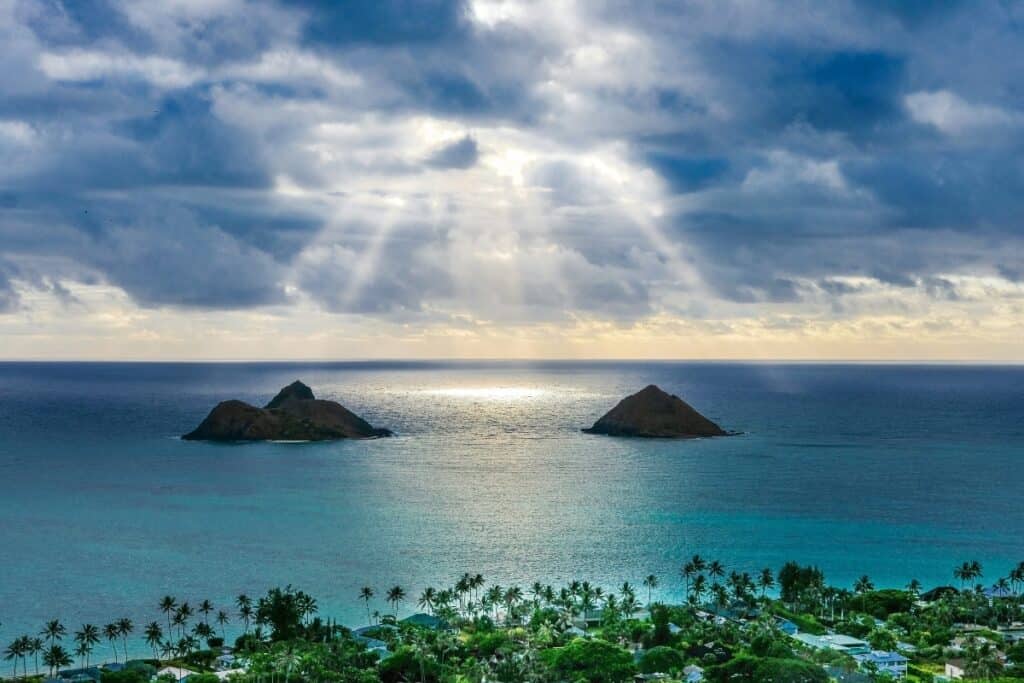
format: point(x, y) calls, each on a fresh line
point(89, 65)
point(951, 114)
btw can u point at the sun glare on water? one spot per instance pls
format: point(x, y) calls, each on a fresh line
point(492, 393)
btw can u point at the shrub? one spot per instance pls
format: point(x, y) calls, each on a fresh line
point(593, 661)
point(661, 659)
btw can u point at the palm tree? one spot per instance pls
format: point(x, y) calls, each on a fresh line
point(13, 652)
point(55, 658)
point(650, 583)
point(427, 599)
point(968, 571)
point(512, 597)
point(34, 647)
point(182, 615)
point(493, 598)
point(396, 594)
point(307, 605)
point(366, 594)
point(125, 627)
point(203, 631)
point(112, 632)
point(699, 586)
point(244, 603)
point(914, 587)
point(154, 635)
point(862, 586)
point(53, 631)
point(168, 605)
point(976, 572)
point(86, 637)
point(82, 651)
point(476, 583)
point(766, 581)
point(222, 620)
point(716, 571)
point(205, 608)
point(687, 570)
point(721, 596)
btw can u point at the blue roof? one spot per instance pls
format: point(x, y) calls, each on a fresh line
point(882, 657)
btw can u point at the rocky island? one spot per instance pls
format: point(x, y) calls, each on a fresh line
point(295, 414)
point(654, 413)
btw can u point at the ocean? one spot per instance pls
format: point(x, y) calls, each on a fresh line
point(893, 471)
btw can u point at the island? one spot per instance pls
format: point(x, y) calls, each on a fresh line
point(654, 413)
point(295, 414)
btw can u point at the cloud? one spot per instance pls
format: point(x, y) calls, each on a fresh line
point(462, 154)
point(472, 163)
point(951, 114)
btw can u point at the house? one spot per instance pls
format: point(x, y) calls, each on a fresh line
point(787, 626)
point(955, 669)
point(575, 632)
point(834, 641)
point(673, 629)
point(892, 663)
point(693, 674)
point(91, 674)
point(225, 662)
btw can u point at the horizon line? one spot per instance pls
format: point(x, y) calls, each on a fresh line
point(528, 359)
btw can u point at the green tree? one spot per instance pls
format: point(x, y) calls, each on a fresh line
point(53, 631)
point(245, 613)
point(125, 628)
point(168, 605)
point(592, 661)
point(650, 583)
point(112, 633)
point(86, 637)
point(366, 594)
point(396, 594)
point(282, 609)
point(765, 581)
point(205, 608)
point(55, 658)
point(427, 599)
point(222, 621)
point(34, 647)
point(662, 659)
point(154, 635)
point(16, 650)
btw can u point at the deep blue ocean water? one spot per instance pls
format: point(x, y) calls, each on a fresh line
point(893, 471)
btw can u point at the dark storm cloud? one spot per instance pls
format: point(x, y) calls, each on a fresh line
point(460, 154)
point(384, 22)
point(147, 147)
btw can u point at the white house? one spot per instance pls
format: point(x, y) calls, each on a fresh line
point(892, 663)
point(956, 668)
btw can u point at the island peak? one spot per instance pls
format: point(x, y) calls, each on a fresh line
point(652, 412)
point(296, 390)
point(294, 414)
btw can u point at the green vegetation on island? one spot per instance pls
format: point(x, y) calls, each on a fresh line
point(785, 626)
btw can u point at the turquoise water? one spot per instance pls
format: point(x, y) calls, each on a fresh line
point(898, 472)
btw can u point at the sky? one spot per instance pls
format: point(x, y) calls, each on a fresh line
point(730, 179)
